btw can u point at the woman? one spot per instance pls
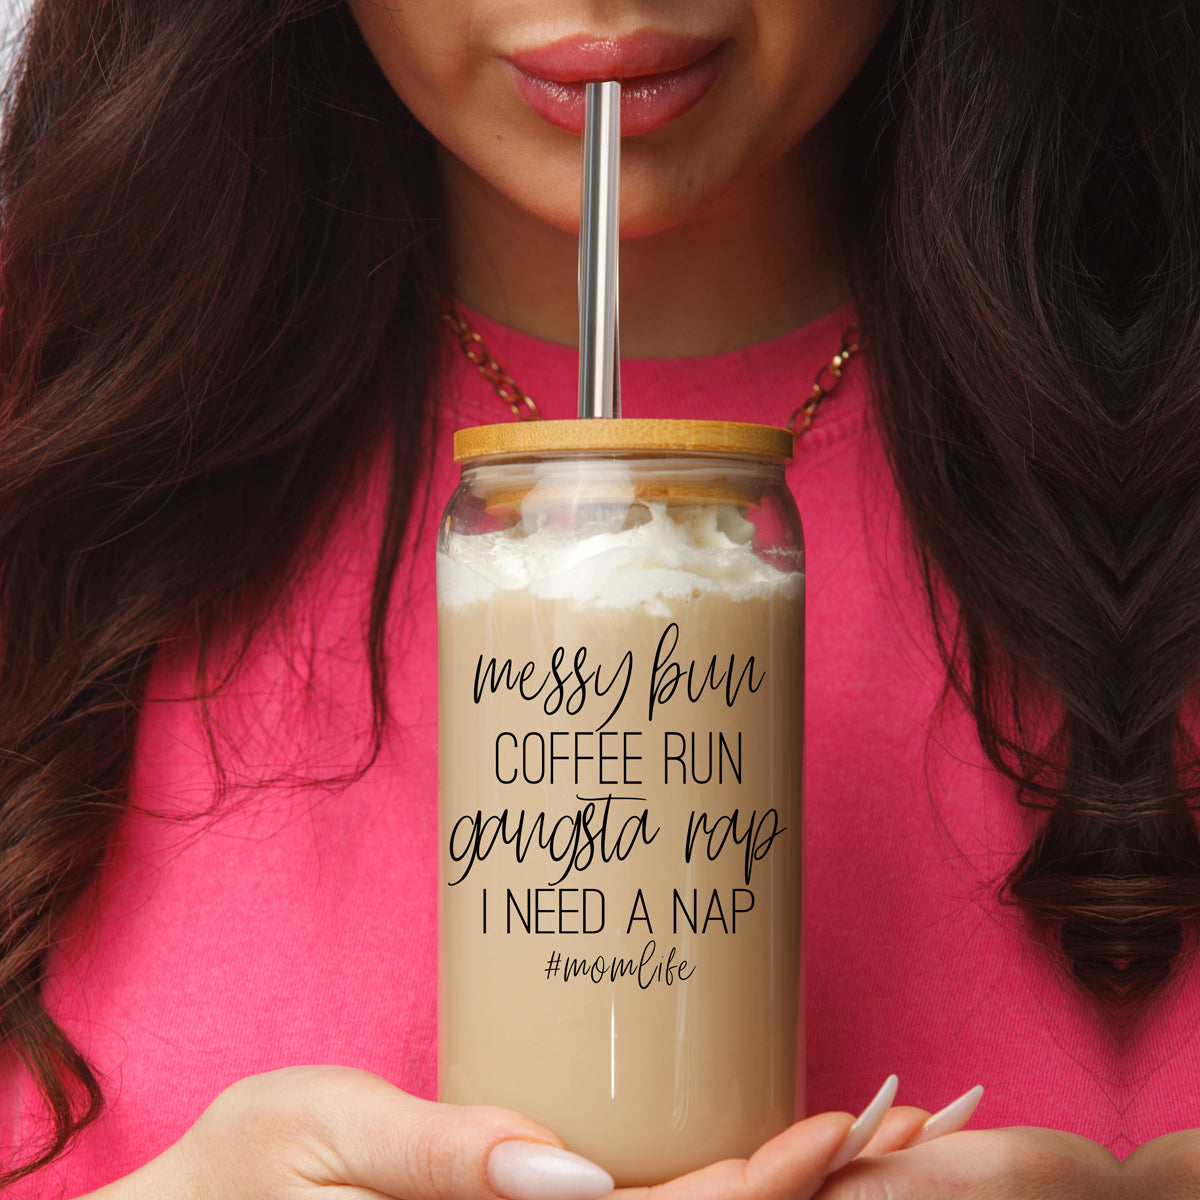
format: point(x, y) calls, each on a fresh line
point(227, 248)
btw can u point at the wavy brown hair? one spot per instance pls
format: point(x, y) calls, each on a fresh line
point(215, 219)
point(218, 271)
point(1031, 274)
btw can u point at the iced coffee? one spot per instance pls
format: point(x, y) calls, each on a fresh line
point(620, 706)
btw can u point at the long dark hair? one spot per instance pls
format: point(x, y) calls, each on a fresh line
point(215, 219)
point(1031, 282)
point(219, 257)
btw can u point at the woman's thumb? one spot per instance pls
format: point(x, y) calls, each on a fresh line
point(395, 1144)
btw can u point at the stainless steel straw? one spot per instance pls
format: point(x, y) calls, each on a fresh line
point(599, 355)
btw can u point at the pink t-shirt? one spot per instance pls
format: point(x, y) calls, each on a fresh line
point(295, 922)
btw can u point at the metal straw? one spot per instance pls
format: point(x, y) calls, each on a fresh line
point(599, 361)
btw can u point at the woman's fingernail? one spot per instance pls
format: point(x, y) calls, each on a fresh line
point(534, 1171)
point(950, 1119)
point(867, 1125)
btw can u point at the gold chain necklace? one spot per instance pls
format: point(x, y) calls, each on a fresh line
point(524, 407)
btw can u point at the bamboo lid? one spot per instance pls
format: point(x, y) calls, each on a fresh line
point(617, 436)
point(510, 499)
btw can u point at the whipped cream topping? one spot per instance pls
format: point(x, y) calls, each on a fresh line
point(667, 559)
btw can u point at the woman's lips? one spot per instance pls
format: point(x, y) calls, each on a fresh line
point(661, 76)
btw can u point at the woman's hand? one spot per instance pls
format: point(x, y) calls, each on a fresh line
point(1167, 1168)
point(338, 1134)
point(343, 1134)
point(992, 1164)
point(793, 1165)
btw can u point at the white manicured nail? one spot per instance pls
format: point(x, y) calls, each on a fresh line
point(950, 1119)
point(534, 1171)
point(867, 1125)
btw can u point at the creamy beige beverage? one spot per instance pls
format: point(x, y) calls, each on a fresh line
point(620, 774)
